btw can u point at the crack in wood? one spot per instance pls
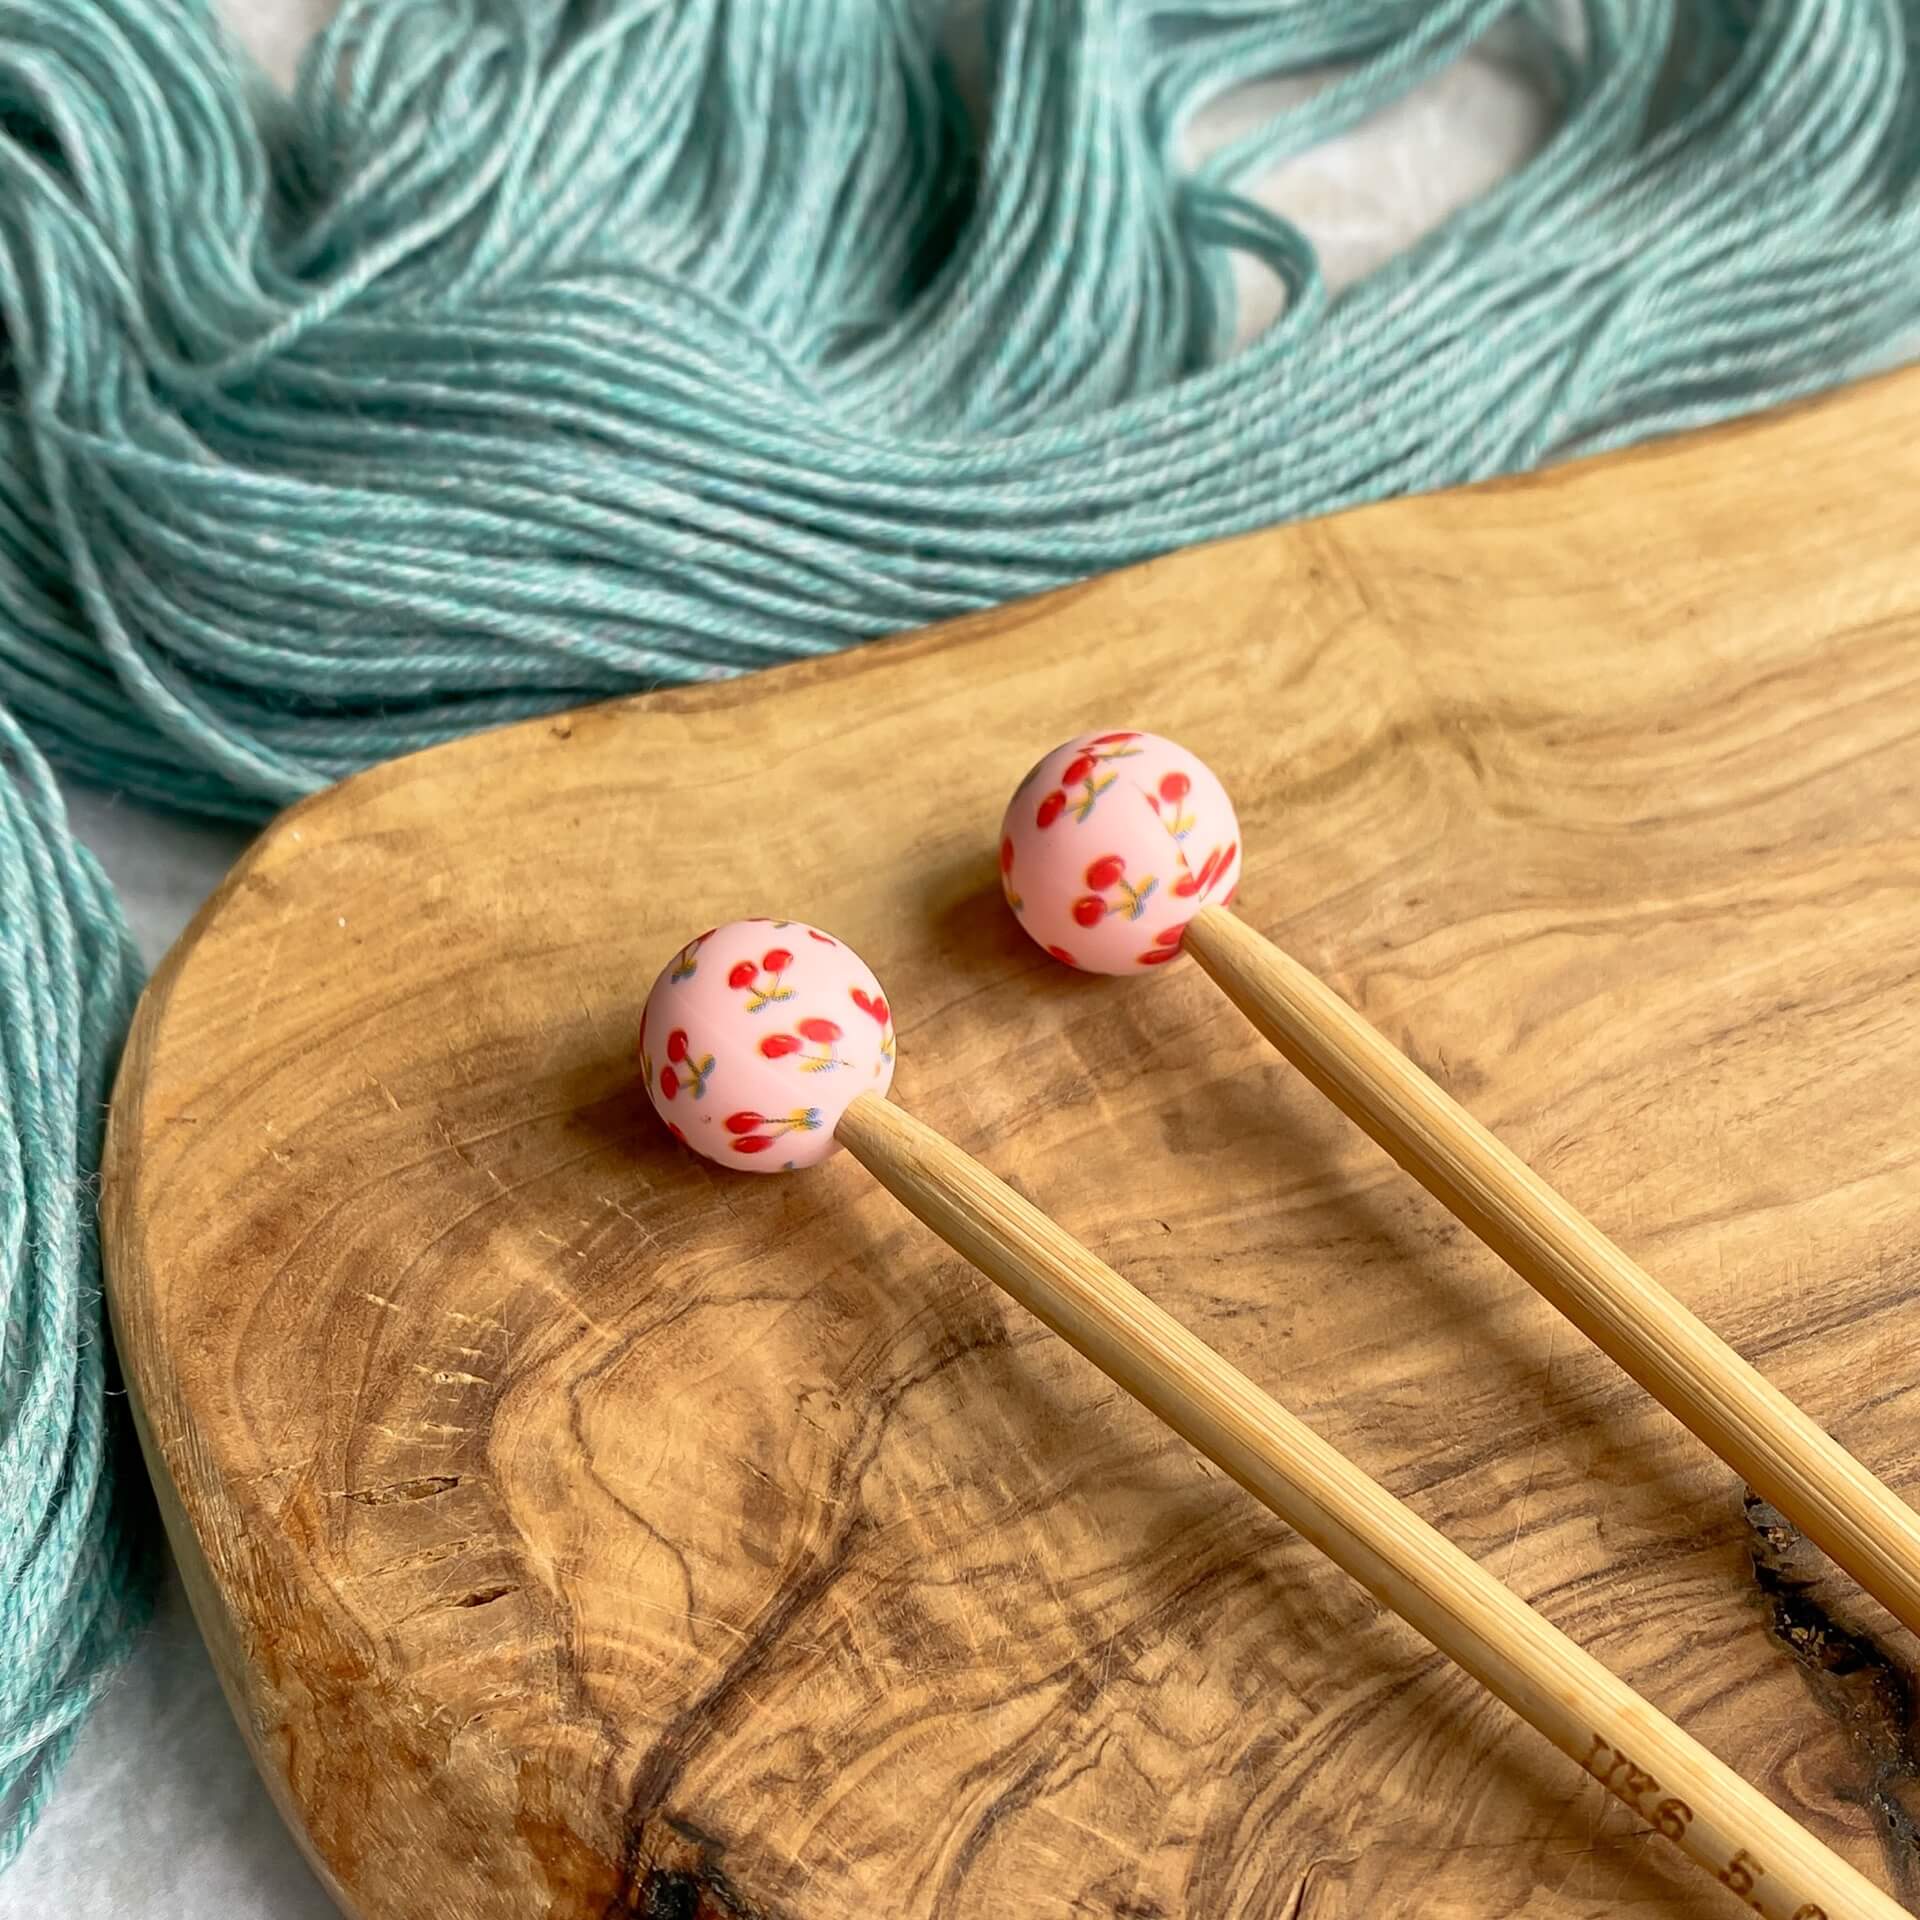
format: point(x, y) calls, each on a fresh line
point(474, 1597)
point(1854, 1679)
point(483, 1596)
point(428, 1487)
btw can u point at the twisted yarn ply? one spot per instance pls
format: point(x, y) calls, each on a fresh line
point(72, 1552)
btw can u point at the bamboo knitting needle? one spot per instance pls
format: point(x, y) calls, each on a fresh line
point(770, 1011)
point(1661, 1773)
point(1052, 855)
point(1680, 1360)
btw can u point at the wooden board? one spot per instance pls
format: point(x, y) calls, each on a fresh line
point(582, 1531)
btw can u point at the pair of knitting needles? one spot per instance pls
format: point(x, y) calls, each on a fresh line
point(766, 1043)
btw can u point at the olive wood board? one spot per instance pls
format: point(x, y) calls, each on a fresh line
point(583, 1530)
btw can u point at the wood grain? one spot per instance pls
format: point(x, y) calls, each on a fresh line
point(1715, 1393)
point(1659, 1771)
point(582, 1531)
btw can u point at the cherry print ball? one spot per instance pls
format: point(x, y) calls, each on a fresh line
point(1112, 844)
point(756, 1038)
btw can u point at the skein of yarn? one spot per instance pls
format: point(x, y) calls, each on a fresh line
point(73, 1555)
point(538, 350)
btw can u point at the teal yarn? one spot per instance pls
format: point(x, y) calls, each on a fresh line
point(73, 1560)
point(539, 350)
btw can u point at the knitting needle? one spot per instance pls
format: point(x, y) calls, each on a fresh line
point(1110, 822)
point(775, 1032)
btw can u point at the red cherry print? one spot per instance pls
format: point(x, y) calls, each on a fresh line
point(1105, 872)
point(742, 975)
point(1051, 808)
point(871, 1005)
point(677, 1134)
point(825, 939)
point(669, 1082)
point(777, 960)
point(741, 1122)
point(1077, 770)
point(1061, 954)
point(677, 1044)
point(776, 1046)
point(824, 1031)
point(1226, 859)
point(1170, 936)
point(1174, 787)
point(1088, 911)
point(1006, 855)
point(1159, 956)
point(753, 1143)
point(1111, 739)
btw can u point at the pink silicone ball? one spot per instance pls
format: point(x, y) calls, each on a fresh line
point(1112, 844)
point(756, 1038)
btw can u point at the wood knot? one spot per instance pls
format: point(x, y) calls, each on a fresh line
point(673, 1873)
point(1853, 1677)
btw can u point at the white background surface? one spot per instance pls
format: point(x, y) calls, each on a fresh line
point(160, 1815)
